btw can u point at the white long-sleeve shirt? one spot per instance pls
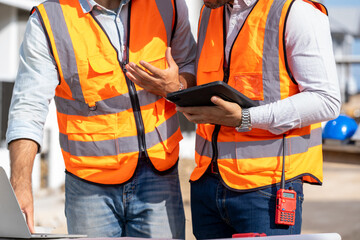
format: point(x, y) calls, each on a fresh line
point(311, 60)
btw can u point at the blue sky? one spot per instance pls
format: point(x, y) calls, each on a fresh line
point(356, 47)
point(341, 2)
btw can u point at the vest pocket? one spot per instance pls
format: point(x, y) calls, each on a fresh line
point(257, 165)
point(99, 66)
point(100, 77)
point(93, 143)
point(211, 64)
point(249, 84)
point(159, 63)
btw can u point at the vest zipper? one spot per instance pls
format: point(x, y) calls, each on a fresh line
point(135, 99)
point(216, 132)
point(226, 70)
point(132, 92)
point(137, 114)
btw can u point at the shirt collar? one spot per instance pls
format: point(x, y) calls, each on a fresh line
point(248, 2)
point(239, 3)
point(88, 5)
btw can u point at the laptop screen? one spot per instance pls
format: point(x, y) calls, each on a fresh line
point(12, 221)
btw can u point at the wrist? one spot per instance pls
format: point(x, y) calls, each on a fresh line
point(181, 86)
point(245, 123)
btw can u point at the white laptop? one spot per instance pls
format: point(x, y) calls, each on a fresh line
point(12, 221)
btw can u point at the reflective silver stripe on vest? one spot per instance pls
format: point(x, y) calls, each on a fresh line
point(146, 98)
point(271, 75)
point(119, 145)
point(202, 33)
point(167, 16)
point(108, 106)
point(271, 78)
point(66, 52)
point(65, 48)
point(269, 148)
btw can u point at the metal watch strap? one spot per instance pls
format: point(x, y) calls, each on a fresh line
point(245, 124)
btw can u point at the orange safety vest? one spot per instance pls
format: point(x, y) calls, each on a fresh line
point(257, 68)
point(105, 121)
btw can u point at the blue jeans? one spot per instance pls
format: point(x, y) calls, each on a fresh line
point(148, 206)
point(218, 212)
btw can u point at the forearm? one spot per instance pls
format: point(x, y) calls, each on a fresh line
point(22, 155)
point(294, 112)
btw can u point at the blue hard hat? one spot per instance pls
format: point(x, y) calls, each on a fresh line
point(341, 128)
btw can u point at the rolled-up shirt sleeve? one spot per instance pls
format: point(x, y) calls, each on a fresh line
point(183, 45)
point(34, 87)
point(311, 61)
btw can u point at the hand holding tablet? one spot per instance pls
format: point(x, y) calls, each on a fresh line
point(200, 95)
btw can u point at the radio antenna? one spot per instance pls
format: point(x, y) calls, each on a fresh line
point(282, 183)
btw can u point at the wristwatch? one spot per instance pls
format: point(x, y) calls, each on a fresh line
point(245, 124)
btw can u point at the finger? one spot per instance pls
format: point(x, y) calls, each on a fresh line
point(153, 70)
point(180, 109)
point(132, 74)
point(198, 119)
point(190, 117)
point(226, 105)
point(187, 116)
point(133, 78)
point(218, 101)
point(170, 60)
point(131, 70)
point(189, 110)
point(30, 220)
point(146, 77)
point(139, 76)
point(130, 67)
point(134, 68)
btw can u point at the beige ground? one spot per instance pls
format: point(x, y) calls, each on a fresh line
point(334, 207)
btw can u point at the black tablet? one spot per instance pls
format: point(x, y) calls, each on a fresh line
point(200, 95)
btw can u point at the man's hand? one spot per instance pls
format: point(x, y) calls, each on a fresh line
point(24, 196)
point(22, 154)
point(224, 113)
point(155, 80)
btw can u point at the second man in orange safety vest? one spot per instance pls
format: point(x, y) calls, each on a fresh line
point(278, 53)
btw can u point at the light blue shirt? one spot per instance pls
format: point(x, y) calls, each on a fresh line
point(38, 77)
